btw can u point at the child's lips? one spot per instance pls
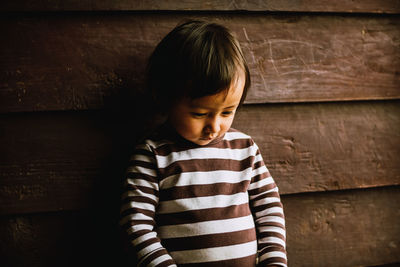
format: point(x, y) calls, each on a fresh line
point(208, 138)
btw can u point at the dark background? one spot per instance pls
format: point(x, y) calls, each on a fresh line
point(323, 107)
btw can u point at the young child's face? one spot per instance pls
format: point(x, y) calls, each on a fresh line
point(204, 119)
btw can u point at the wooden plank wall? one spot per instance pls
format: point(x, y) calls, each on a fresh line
point(323, 107)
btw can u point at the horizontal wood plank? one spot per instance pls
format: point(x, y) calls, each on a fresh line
point(76, 61)
point(351, 228)
point(78, 238)
point(58, 161)
point(317, 147)
point(366, 6)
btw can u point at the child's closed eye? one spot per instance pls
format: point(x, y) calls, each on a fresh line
point(227, 113)
point(198, 115)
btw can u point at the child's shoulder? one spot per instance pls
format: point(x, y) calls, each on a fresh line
point(238, 137)
point(233, 134)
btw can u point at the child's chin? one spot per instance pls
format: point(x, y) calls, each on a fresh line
point(203, 142)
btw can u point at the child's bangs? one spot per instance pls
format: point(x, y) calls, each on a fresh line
point(213, 65)
point(196, 59)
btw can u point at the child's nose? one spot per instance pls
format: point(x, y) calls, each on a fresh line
point(213, 125)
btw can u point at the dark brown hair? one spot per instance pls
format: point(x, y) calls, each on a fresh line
point(195, 59)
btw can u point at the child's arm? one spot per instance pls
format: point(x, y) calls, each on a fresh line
point(268, 215)
point(139, 201)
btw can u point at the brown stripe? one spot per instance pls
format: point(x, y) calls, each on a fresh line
point(137, 234)
point(267, 206)
point(146, 243)
point(276, 224)
point(260, 176)
point(205, 165)
point(267, 195)
point(209, 241)
point(134, 175)
point(166, 263)
point(166, 149)
point(271, 247)
point(270, 234)
point(258, 164)
point(260, 190)
point(191, 191)
point(145, 164)
point(272, 260)
point(249, 261)
point(194, 216)
point(145, 152)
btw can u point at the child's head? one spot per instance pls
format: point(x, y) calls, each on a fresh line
point(199, 68)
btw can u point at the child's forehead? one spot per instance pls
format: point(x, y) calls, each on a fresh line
point(225, 99)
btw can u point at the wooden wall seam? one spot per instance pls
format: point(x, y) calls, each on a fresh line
point(358, 6)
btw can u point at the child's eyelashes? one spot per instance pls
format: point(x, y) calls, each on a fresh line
point(198, 115)
point(202, 115)
point(227, 113)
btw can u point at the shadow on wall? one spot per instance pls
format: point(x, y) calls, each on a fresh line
point(129, 115)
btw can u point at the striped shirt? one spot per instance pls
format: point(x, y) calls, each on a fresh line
point(213, 205)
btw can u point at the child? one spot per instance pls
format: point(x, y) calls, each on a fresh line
point(197, 192)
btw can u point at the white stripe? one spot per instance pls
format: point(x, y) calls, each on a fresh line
point(204, 153)
point(261, 183)
point(140, 205)
point(273, 254)
point(273, 229)
point(157, 144)
point(258, 158)
point(142, 147)
point(267, 219)
point(272, 240)
point(144, 238)
point(273, 210)
point(262, 169)
point(139, 169)
point(142, 182)
point(212, 177)
point(235, 135)
point(265, 201)
point(160, 259)
point(215, 254)
point(139, 227)
point(134, 217)
point(138, 193)
point(275, 189)
point(143, 158)
point(149, 249)
point(198, 203)
point(208, 227)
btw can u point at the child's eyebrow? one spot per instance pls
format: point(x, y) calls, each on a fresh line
point(231, 106)
point(205, 107)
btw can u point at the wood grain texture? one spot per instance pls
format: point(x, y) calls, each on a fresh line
point(76, 61)
point(319, 147)
point(366, 6)
point(52, 162)
point(61, 161)
point(350, 228)
point(78, 238)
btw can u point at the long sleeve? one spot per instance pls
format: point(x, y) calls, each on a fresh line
point(268, 214)
point(139, 201)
